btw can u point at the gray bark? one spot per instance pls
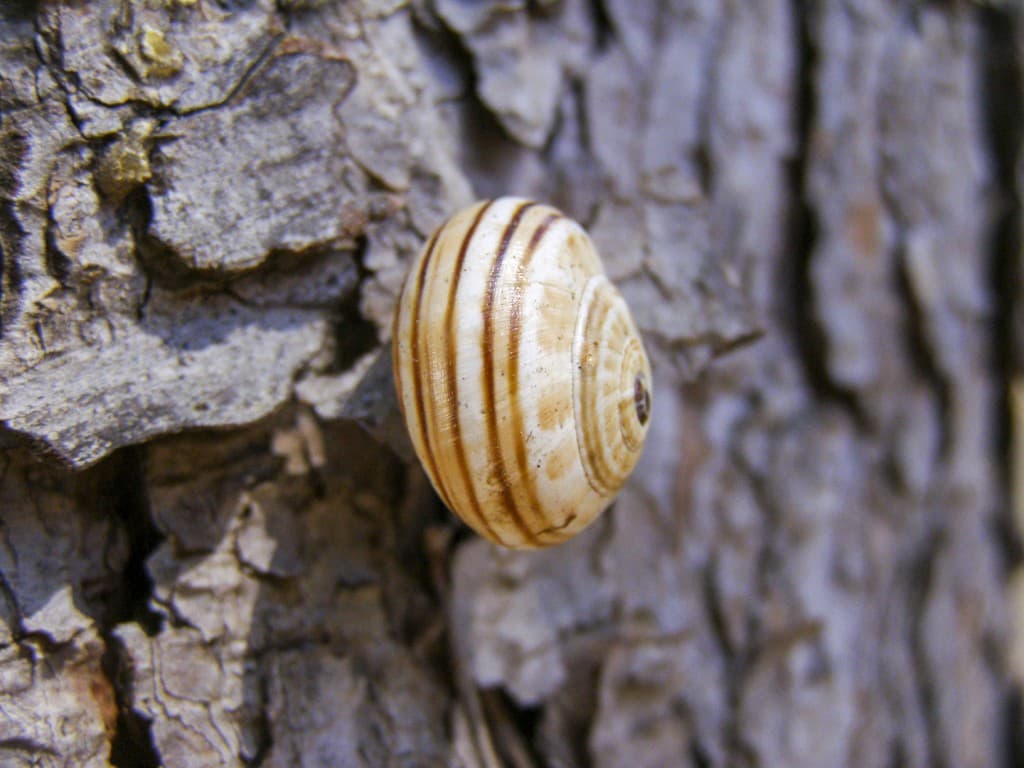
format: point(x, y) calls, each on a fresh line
point(215, 549)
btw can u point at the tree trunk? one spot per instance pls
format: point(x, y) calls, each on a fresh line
point(215, 549)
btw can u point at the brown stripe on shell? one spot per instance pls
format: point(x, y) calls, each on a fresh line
point(417, 376)
point(493, 439)
point(603, 478)
point(607, 441)
point(396, 365)
point(472, 505)
point(557, 533)
point(592, 456)
point(526, 475)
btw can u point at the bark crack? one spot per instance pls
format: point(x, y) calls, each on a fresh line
point(798, 308)
point(13, 610)
point(132, 741)
point(1002, 100)
point(132, 744)
point(1003, 105)
point(922, 354)
point(919, 580)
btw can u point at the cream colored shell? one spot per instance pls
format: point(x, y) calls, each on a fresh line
point(521, 375)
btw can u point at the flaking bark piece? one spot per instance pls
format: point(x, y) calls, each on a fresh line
point(264, 173)
point(521, 59)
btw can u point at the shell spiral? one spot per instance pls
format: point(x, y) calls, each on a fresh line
point(520, 373)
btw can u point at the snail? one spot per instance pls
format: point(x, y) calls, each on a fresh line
point(520, 373)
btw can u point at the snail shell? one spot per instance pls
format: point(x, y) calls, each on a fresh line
point(520, 373)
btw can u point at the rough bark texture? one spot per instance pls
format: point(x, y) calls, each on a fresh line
point(214, 550)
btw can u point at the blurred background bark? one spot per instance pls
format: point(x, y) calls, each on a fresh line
point(213, 548)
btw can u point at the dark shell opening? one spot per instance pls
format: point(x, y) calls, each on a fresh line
point(641, 399)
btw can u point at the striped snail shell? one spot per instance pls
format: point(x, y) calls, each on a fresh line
point(520, 373)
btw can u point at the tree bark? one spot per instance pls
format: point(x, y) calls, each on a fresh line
point(215, 548)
